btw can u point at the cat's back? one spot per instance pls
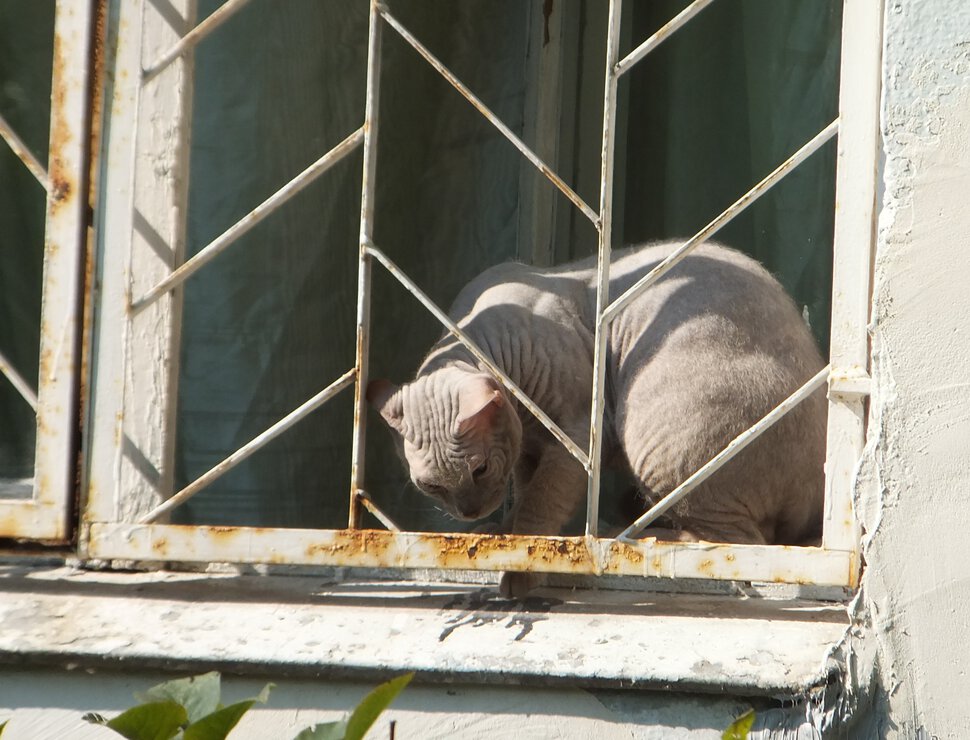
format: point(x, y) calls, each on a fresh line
point(546, 291)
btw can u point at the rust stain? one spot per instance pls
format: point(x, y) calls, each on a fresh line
point(61, 184)
point(706, 567)
point(160, 546)
point(622, 550)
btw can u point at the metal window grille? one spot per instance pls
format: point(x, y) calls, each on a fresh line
point(44, 512)
point(124, 518)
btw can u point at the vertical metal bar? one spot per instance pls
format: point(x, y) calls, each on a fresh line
point(603, 268)
point(855, 216)
point(67, 200)
point(368, 189)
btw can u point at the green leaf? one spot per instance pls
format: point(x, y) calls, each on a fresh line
point(739, 729)
point(159, 720)
point(217, 725)
point(198, 694)
point(325, 731)
point(373, 704)
point(2, 725)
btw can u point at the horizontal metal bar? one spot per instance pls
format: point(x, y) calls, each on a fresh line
point(720, 459)
point(17, 381)
point(492, 118)
point(383, 518)
point(246, 223)
point(23, 153)
point(504, 379)
point(626, 64)
point(193, 37)
point(367, 548)
point(722, 220)
point(250, 447)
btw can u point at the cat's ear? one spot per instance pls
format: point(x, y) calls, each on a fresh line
point(384, 396)
point(479, 398)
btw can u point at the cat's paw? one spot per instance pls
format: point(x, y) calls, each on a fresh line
point(518, 585)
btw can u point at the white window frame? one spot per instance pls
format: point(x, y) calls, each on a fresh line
point(45, 514)
point(127, 496)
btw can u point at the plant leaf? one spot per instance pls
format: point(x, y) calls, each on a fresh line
point(739, 729)
point(217, 725)
point(159, 720)
point(95, 719)
point(198, 694)
point(325, 731)
point(373, 704)
point(2, 725)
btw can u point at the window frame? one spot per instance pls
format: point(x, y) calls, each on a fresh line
point(46, 515)
point(121, 489)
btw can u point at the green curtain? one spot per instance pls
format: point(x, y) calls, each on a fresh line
point(715, 109)
point(26, 53)
point(271, 322)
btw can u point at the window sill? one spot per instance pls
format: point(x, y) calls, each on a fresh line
point(309, 626)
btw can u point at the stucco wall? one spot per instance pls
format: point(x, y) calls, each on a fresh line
point(915, 476)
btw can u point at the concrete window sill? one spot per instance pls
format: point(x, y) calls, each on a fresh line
point(451, 632)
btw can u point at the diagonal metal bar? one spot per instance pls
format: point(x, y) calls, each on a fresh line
point(626, 64)
point(720, 459)
point(383, 518)
point(470, 345)
point(492, 118)
point(299, 413)
point(17, 381)
point(722, 220)
point(247, 222)
point(23, 153)
point(193, 37)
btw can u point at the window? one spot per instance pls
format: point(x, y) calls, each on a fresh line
point(43, 104)
point(239, 304)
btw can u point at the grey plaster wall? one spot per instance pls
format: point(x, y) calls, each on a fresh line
point(914, 613)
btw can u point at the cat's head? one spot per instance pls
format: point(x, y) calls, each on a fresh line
point(458, 435)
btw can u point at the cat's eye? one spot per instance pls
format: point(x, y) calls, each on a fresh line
point(432, 488)
point(480, 470)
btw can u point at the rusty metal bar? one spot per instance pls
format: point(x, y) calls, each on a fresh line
point(17, 381)
point(193, 37)
point(603, 269)
point(368, 190)
point(383, 518)
point(720, 459)
point(722, 220)
point(217, 471)
point(247, 222)
point(462, 337)
point(492, 118)
point(626, 64)
point(23, 153)
point(369, 548)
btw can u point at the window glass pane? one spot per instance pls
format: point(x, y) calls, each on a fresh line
point(272, 321)
point(26, 49)
point(716, 108)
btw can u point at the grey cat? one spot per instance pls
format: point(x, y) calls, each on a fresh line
point(693, 361)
